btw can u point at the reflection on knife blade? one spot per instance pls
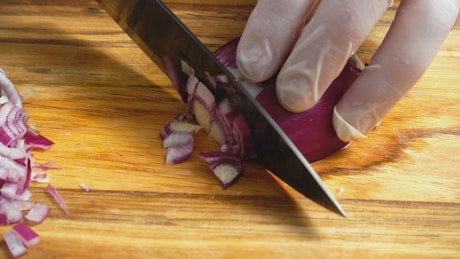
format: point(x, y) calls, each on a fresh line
point(160, 34)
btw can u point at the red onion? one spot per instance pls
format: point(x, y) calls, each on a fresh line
point(27, 235)
point(38, 213)
point(17, 141)
point(14, 243)
point(18, 168)
point(57, 197)
point(225, 166)
point(311, 131)
point(178, 139)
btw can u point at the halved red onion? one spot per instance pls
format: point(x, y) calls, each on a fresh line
point(311, 131)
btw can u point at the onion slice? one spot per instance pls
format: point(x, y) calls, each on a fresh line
point(14, 243)
point(27, 235)
point(225, 165)
point(38, 213)
point(57, 197)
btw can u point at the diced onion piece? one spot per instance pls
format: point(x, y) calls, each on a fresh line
point(217, 133)
point(179, 126)
point(12, 152)
point(186, 68)
point(205, 97)
point(22, 204)
point(226, 166)
point(227, 174)
point(177, 138)
point(179, 153)
point(191, 84)
point(38, 213)
point(13, 123)
point(9, 190)
point(23, 196)
point(202, 106)
point(13, 214)
point(27, 235)
point(202, 115)
point(14, 243)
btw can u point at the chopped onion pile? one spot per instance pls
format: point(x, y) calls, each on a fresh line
point(17, 169)
point(311, 131)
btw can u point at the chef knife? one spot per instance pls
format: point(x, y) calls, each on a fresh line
point(162, 36)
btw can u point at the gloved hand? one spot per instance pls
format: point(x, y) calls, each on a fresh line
point(310, 55)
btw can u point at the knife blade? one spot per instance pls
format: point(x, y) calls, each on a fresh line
point(160, 34)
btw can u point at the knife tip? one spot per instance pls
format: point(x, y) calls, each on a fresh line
point(338, 208)
point(342, 212)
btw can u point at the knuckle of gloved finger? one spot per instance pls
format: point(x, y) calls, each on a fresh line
point(351, 23)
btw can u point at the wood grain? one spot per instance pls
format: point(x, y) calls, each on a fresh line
point(104, 103)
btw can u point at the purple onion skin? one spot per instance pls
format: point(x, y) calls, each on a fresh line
point(311, 131)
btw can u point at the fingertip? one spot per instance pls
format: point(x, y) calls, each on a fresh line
point(296, 91)
point(268, 37)
point(344, 130)
point(254, 58)
point(293, 102)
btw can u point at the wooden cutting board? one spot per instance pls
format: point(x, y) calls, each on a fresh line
point(104, 103)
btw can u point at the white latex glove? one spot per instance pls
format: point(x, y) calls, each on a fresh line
point(311, 55)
